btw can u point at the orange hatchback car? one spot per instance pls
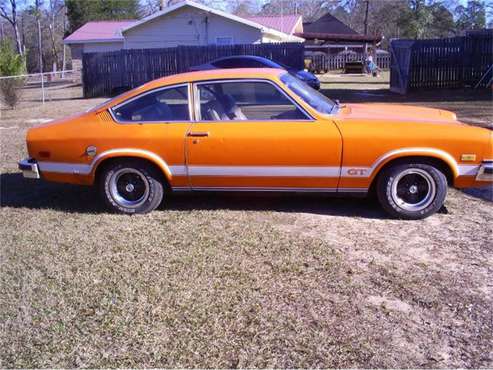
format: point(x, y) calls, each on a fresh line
point(259, 130)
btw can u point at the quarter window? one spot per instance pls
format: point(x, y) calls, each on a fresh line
point(170, 104)
point(245, 100)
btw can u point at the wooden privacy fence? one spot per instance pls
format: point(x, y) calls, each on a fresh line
point(458, 62)
point(104, 74)
point(321, 63)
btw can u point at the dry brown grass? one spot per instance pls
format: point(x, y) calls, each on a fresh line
point(236, 280)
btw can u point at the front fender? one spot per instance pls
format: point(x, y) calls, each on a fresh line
point(416, 152)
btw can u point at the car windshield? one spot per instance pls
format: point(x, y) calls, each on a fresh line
point(312, 97)
point(286, 67)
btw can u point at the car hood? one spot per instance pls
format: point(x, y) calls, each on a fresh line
point(398, 112)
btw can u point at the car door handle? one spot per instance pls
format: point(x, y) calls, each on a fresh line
point(198, 134)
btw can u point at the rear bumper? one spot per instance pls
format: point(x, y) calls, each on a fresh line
point(485, 172)
point(29, 168)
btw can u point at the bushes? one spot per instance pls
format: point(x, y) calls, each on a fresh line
point(11, 64)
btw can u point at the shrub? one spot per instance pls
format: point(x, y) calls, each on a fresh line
point(11, 64)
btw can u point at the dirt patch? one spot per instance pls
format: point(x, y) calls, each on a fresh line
point(390, 304)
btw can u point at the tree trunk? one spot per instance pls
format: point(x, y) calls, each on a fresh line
point(18, 41)
point(53, 46)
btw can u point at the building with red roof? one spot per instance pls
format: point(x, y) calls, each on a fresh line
point(186, 23)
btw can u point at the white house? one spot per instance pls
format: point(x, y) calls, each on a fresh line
point(186, 23)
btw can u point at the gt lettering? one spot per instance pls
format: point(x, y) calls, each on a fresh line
point(356, 172)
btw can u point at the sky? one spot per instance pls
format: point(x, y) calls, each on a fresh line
point(222, 4)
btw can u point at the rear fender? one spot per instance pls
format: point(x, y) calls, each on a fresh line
point(132, 153)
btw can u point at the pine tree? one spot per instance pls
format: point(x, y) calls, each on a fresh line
point(80, 12)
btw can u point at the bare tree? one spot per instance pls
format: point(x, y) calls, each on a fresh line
point(311, 10)
point(9, 12)
point(55, 7)
point(243, 8)
point(149, 7)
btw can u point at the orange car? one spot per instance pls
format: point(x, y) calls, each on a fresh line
point(259, 130)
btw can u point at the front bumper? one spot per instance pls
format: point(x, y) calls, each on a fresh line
point(29, 168)
point(485, 172)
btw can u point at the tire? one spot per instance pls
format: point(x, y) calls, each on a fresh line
point(131, 187)
point(411, 191)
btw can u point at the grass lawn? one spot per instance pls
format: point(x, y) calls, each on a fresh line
point(237, 280)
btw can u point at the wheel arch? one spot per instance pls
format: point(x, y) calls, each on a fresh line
point(447, 166)
point(110, 156)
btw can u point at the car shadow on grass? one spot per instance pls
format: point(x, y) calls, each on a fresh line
point(18, 192)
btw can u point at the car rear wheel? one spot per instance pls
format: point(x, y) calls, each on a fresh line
point(131, 186)
point(412, 191)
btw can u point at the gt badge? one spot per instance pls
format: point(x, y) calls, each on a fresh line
point(356, 172)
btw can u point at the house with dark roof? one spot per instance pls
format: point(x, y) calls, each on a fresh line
point(186, 23)
point(329, 35)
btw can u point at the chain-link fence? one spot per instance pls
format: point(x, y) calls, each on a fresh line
point(37, 88)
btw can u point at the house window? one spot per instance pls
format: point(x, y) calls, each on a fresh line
point(224, 40)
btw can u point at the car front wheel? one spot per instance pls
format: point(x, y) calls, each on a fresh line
point(412, 191)
point(131, 186)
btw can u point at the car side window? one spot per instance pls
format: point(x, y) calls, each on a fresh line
point(251, 63)
point(225, 63)
point(246, 100)
point(164, 105)
point(238, 63)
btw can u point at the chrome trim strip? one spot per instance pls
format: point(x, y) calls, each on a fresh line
point(352, 190)
point(30, 170)
point(263, 189)
point(273, 189)
point(482, 175)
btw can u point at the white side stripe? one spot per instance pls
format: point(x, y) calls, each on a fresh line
point(248, 171)
point(72, 168)
point(178, 170)
point(263, 171)
point(468, 169)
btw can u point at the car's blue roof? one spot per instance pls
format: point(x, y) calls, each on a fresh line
point(264, 60)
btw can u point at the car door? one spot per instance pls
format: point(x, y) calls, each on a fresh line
point(156, 122)
point(250, 135)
